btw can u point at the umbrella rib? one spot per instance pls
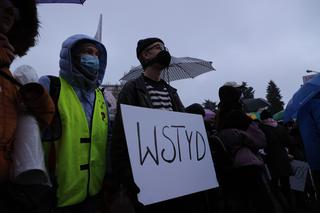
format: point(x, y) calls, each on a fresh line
point(178, 65)
point(180, 68)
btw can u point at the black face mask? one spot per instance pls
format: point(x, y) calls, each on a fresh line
point(163, 58)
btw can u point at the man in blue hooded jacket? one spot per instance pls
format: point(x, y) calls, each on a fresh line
point(77, 153)
point(309, 124)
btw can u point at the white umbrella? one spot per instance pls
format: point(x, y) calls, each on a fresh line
point(179, 68)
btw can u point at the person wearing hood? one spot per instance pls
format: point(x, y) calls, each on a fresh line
point(308, 119)
point(78, 159)
point(242, 185)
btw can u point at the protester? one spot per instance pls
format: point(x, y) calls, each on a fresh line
point(29, 175)
point(28, 157)
point(243, 184)
point(309, 124)
point(18, 30)
point(277, 159)
point(149, 91)
point(212, 196)
point(296, 147)
point(77, 155)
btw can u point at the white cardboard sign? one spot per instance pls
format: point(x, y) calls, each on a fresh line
point(169, 153)
point(300, 172)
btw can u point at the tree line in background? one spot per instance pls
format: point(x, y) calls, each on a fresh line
point(273, 96)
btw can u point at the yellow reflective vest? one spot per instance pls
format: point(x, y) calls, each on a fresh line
point(80, 154)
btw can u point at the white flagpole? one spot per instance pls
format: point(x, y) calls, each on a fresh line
point(98, 35)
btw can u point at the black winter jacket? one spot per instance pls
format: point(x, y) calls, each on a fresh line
point(133, 93)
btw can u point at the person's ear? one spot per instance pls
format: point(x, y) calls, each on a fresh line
point(145, 55)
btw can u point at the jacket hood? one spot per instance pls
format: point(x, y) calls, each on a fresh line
point(25, 74)
point(67, 69)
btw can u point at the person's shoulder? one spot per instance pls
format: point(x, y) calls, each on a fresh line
point(129, 84)
point(230, 134)
point(45, 82)
point(314, 103)
point(134, 83)
point(44, 78)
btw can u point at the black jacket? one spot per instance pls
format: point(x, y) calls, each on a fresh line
point(133, 93)
point(277, 157)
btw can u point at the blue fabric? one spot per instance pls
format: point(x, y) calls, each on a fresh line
point(310, 89)
point(309, 124)
point(68, 72)
point(90, 62)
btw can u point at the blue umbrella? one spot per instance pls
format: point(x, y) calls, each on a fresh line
point(61, 1)
point(302, 96)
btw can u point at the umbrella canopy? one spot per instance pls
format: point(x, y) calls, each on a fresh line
point(301, 97)
point(179, 68)
point(254, 115)
point(254, 104)
point(61, 1)
point(278, 116)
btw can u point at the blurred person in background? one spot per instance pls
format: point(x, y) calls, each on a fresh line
point(18, 32)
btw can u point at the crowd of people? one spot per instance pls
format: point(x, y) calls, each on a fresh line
point(83, 164)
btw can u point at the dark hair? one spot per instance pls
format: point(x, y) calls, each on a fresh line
point(195, 109)
point(229, 94)
point(265, 114)
point(24, 31)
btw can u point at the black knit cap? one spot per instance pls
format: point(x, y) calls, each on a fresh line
point(144, 43)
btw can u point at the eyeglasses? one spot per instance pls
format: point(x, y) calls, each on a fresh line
point(158, 46)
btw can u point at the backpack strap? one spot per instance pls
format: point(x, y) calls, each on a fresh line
point(53, 131)
point(55, 86)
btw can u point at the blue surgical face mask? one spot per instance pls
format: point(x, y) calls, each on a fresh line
point(90, 62)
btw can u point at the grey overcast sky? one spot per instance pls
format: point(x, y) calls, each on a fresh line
point(247, 40)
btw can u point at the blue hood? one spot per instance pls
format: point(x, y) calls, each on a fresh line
point(67, 70)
